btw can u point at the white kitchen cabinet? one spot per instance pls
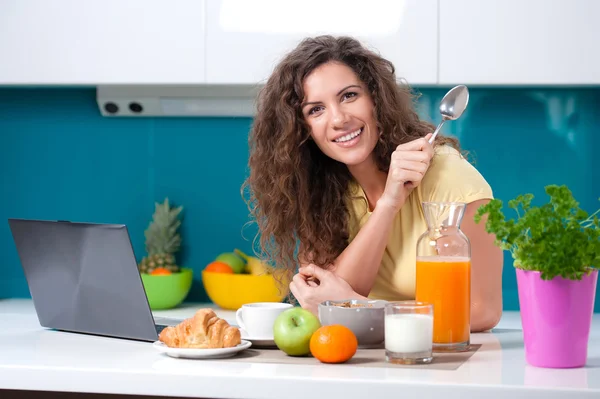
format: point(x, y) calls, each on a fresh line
point(75, 42)
point(517, 42)
point(238, 42)
point(246, 38)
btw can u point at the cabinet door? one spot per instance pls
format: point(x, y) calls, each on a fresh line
point(519, 42)
point(246, 38)
point(101, 42)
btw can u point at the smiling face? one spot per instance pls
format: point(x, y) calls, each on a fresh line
point(339, 111)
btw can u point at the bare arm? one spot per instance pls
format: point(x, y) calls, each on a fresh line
point(359, 263)
point(486, 272)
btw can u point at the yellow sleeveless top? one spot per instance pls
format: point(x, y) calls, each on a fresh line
point(450, 177)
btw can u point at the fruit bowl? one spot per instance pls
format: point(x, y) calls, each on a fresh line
point(167, 291)
point(231, 291)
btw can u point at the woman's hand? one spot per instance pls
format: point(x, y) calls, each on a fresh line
point(409, 164)
point(313, 285)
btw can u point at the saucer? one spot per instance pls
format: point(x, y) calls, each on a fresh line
point(260, 342)
point(193, 353)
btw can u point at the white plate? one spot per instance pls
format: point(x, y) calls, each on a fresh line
point(258, 341)
point(189, 353)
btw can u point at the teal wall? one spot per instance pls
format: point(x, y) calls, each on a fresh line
point(59, 159)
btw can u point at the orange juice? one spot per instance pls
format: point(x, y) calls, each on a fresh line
point(445, 281)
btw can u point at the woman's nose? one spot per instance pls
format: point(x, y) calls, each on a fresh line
point(338, 117)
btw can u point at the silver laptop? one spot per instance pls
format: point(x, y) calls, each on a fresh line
point(83, 278)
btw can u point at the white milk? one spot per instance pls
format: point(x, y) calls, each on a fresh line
point(408, 332)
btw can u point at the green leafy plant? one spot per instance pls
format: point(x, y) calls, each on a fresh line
point(556, 239)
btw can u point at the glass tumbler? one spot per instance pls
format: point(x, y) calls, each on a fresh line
point(408, 332)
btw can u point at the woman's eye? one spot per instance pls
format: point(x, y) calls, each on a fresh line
point(350, 94)
point(315, 109)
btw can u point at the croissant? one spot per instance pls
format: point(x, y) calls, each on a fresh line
point(205, 330)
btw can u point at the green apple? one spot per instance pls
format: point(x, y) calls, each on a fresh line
point(292, 331)
point(233, 260)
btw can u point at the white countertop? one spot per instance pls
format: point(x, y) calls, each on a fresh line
point(34, 358)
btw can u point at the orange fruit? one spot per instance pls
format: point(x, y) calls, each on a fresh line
point(333, 344)
point(160, 271)
point(218, 267)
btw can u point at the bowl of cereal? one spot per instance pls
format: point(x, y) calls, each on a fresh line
point(364, 317)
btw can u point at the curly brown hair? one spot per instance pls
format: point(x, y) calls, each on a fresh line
point(297, 195)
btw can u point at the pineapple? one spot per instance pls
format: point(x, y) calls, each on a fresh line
point(162, 239)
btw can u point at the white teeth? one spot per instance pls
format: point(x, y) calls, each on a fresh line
point(349, 136)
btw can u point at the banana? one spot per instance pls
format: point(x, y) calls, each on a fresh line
point(254, 265)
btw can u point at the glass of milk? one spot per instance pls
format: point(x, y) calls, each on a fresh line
point(409, 332)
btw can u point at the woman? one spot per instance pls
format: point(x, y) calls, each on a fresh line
point(339, 166)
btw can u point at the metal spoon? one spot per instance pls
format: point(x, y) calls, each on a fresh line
point(452, 106)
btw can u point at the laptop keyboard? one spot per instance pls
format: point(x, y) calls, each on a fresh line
point(159, 328)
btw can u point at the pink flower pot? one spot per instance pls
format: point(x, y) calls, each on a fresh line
point(556, 316)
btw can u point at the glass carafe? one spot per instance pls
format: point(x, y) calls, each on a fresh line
point(443, 275)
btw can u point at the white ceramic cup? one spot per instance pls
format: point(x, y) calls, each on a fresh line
point(257, 319)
